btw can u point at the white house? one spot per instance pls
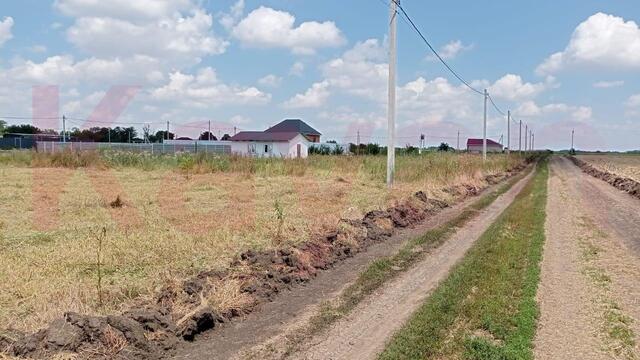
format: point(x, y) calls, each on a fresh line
point(290, 138)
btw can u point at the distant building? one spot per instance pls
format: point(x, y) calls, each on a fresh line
point(297, 126)
point(475, 146)
point(291, 139)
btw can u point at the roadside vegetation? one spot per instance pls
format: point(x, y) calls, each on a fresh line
point(486, 308)
point(166, 218)
point(381, 271)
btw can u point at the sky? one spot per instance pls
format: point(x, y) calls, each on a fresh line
point(246, 65)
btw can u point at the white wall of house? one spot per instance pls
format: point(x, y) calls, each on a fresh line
point(288, 149)
point(478, 148)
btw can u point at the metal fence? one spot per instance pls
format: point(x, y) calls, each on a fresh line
point(8, 143)
point(160, 148)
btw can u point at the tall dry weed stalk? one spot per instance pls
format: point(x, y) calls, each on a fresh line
point(280, 217)
point(101, 235)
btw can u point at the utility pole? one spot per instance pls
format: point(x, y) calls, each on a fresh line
point(234, 131)
point(167, 130)
point(209, 130)
point(64, 129)
point(484, 127)
point(129, 132)
point(572, 133)
point(458, 145)
point(533, 140)
point(109, 135)
point(508, 132)
point(526, 135)
point(520, 138)
point(391, 131)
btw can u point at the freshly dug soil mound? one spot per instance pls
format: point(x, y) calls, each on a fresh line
point(625, 184)
point(180, 312)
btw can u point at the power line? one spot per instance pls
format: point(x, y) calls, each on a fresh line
point(496, 106)
point(406, 15)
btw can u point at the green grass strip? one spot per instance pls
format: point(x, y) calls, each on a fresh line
point(382, 270)
point(486, 307)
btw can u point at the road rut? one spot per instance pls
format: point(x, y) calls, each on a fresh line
point(364, 333)
point(590, 277)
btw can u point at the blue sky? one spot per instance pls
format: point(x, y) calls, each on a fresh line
point(248, 64)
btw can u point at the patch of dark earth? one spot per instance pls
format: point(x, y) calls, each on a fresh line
point(178, 314)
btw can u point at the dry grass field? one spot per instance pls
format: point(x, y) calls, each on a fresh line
point(168, 218)
point(622, 165)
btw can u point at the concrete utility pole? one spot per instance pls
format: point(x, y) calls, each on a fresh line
point(64, 129)
point(484, 127)
point(167, 130)
point(526, 135)
point(458, 147)
point(572, 133)
point(508, 132)
point(533, 140)
point(209, 130)
point(520, 138)
point(391, 132)
point(109, 136)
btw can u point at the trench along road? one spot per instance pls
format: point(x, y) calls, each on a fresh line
point(364, 333)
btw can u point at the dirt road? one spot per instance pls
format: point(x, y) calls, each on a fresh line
point(364, 333)
point(589, 293)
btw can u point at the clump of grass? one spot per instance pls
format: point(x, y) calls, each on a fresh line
point(117, 203)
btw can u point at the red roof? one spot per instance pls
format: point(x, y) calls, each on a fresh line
point(264, 136)
point(478, 142)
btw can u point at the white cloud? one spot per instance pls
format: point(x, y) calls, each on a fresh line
point(269, 28)
point(511, 87)
point(180, 38)
point(608, 84)
point(361, 71)
point(452, 50)
point(205, 90)
point(576, 113)
point(633, 105)
point(436, 100)
point(5, 30)
point(230, 19)
point(633, 101)
point(297, 69)
point(65, 70)
point(270, 81)
point(316, 96)
point(123, 9)
point(602, 40)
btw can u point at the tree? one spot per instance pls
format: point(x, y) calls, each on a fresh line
point(207, 136)
point(162, 135)
point(444, 147)
point(3, 126)
point(22, 129)
point(226, 137)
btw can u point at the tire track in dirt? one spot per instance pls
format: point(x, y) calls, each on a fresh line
point(364, 333)
point(590, 282)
